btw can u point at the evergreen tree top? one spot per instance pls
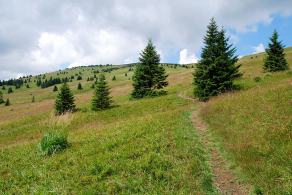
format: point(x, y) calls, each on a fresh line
point(101, 99)
point(274, 44)
point(217, 68)
point(149, 55)
point(275, 60)
point(65, 100)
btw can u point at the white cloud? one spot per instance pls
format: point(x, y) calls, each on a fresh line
point(54, 33)
point(186, 58)
point(259, 49)
point(101, 47)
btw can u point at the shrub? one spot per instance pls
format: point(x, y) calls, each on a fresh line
point(1, 98)
point(79, 87)
point(55, 88)
point(52, 143)
point(257, 79)
point(79, 78)
point(10, 90)
point(7, 103)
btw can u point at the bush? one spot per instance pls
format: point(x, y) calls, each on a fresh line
point(10, 90)
point(257, 79)
point(52, 143)
point(7, 103)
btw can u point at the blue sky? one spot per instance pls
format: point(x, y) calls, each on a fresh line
point(245, 42)
point(249, 40)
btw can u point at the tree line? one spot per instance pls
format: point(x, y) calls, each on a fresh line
point(214, 74)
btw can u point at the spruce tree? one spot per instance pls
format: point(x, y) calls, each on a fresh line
point(65, 100)
point(101, 99)
point(1, 98)
point(10, 90)
point(79, 87)
point(149, 77)
point(55, 88)
point(7, 103)
point(216, 70)
point(79, 78)
point(33, 99)
point(275, 60)
point(114, 78)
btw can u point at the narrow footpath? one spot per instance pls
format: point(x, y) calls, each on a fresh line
point(224, 179)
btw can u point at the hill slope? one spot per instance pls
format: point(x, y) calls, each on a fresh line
point(254, 126)
point(148, 145)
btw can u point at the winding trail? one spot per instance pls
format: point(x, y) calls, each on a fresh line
point(224, 179)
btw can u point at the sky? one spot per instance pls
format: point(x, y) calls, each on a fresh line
point(38, 36)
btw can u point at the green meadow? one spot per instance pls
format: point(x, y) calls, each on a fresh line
point(149, 146)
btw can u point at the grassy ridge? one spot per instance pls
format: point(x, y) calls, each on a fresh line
point(254, 128)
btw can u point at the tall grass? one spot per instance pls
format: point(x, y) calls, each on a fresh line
point(255, 128)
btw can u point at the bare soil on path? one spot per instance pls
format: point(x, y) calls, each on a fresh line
point(224, 179)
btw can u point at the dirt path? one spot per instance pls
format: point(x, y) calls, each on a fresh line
point(224, 180)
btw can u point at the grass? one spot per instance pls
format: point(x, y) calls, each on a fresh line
point(53, 142)
point(254, 128)
point(156, 152)
point(149, 145)
point(138, 146)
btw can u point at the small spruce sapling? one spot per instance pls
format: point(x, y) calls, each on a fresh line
point(101, 99)
point(7, 103)
point(65, 100)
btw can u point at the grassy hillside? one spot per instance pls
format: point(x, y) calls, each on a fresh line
point(136, 147)
point(254, 126)
point(148, 145)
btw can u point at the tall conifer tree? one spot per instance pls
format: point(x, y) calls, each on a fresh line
point(7, 103)
point(216, 70)
point(149, 77)
point(33, 99)
point(65, 100)
point(1, 98)
point(10, 90)
point(79, 87)
point(55, 88)
point(101, 99)
point(275, 60)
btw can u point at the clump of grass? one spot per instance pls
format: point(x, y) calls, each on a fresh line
point(267, 75)
point(257, 79)
point(258, 191)
point(53, 142)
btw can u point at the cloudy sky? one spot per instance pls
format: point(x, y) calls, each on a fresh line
point(39, 36)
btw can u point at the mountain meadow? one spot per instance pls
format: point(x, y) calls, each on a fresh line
point(169, 144)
